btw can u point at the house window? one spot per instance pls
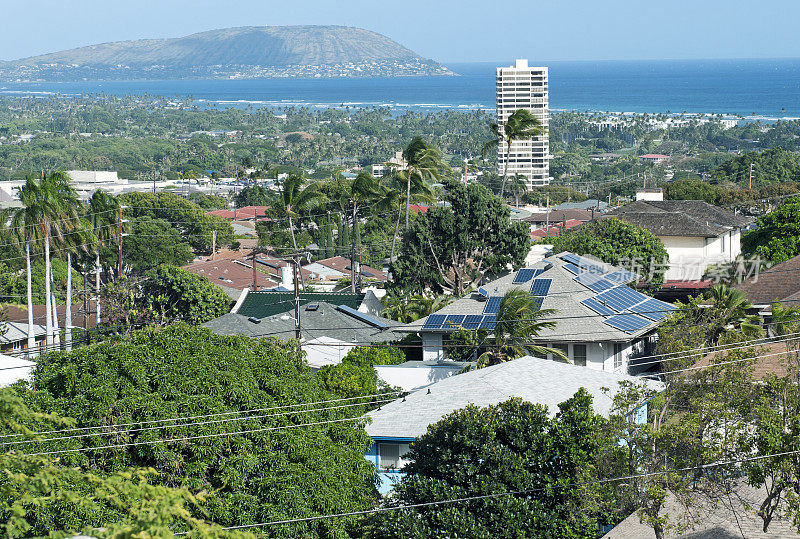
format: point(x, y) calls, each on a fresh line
point(563, 348)
point(579, 354)
point(390, 456)
point(618, 348)
point(16, 346)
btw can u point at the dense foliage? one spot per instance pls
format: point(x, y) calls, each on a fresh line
point(355, 375)
point(251, 471)
point(777, 234)
point(616, 242)
point(453, 247)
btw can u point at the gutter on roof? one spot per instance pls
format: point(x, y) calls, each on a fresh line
point(235, 309)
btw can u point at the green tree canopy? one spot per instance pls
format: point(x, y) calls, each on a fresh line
point(151, 243)
point(451, 248)
point(616, 242)
point(257, 476)
point(176, 294)
point(777, 234)
point(692, 189)
point(355, 375)
point(511, 447)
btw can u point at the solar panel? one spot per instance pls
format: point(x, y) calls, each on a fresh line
point(523, 276)
point(629, 323)
point(537, 302)
point(653, 309)
point(492, 305)
point(598, 307)
point(573, 268)
point(621, 298)
point(434, 321)
point(594, 282)
point(473, 321)
point(453, 321)
point(539, 271)
point(540, 287)
point(569, 257)
point(371, 320)
point(489, 321)
point(622, 276)
point(482, 291)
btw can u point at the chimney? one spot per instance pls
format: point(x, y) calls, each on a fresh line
point(287, 278)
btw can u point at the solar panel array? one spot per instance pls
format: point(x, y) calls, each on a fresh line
point(492, 305)
point(371, 320)
point(629, 323)
point(622, 276)
point(598, 307)
point(541, 287)
point(453, 322)
point(595, 282)
point(653, 309)
point(524, 275)
point(572, 268)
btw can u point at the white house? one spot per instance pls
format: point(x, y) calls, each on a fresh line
point(395, 425)
point(695, 233)
point(600, 322)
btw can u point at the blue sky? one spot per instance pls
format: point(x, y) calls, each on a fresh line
point(445, 30)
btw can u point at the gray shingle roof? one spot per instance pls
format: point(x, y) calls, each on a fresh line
point(574, 321)
point(680, 217)
point(535, 380)
point(326, 321)
point(17, 331)
point(715, 516)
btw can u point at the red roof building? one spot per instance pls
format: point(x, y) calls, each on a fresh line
point(247, 213)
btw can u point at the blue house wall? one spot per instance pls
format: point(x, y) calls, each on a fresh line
point(388, 478)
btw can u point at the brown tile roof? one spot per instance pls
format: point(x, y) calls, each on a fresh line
point(19, 313)
point(557, 216)
point(244, 213)
point(778, 283)
point(340, 263)
point(229, 274)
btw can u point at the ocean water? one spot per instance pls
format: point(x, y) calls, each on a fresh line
point(761, 88)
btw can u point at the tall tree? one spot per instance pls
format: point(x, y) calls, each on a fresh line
point(451, 248)
point(102, 220)
point(519, 321)
point(296, 197)
point(520, 125)
point(423, 164)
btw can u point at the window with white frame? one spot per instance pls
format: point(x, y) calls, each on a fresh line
point(391, 456)
point(579, 354)
point(618, 349)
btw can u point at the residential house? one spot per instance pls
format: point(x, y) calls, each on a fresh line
point(600, 322)
point(338, 267)
point(332, 324)
point(604, 157)
point(232, 276)
point(695, 233)
point(780, 283)
point(395, 425)
point(413, 375)
point(588, 204)
point(772, 360)
point(15, 337)
point(542, 220)
point(654, 158)
point(555, 230)
point(246, 213)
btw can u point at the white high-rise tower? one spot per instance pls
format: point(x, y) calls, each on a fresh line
point(523, 87)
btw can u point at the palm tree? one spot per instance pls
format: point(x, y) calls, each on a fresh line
point(729, 308)
point(24, 226)
point(295, 197)
point(423, 163)
point(518, 185)
point(102, 220)
point(363, 189)
point(520, 125)
point(518, 323)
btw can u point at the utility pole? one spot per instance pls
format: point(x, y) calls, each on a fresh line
point(154, 182)
point(296, 269)
point(255, 275)
point(213, 244)
point(547, 215)
point(752, 166)
point(353, 254)
point(119, 242)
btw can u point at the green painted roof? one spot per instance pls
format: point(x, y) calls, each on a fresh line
point(268, 303)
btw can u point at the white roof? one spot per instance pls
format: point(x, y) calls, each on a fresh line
point(18, 331)
point(535, 380)
point(14, 369)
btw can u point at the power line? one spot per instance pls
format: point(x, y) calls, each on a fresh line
point(181, 425)
point(187, 438)
point(512, 493)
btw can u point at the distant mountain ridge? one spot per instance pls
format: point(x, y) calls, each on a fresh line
point(241, 52)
